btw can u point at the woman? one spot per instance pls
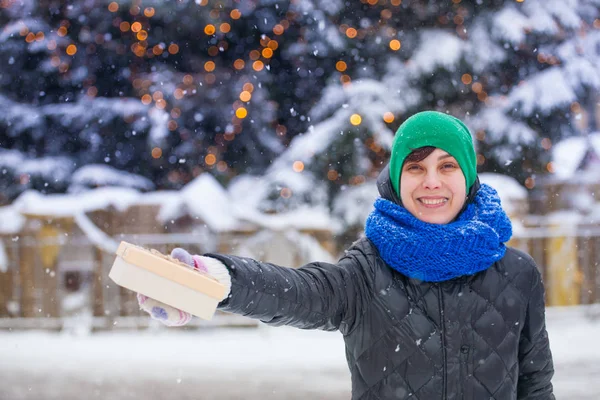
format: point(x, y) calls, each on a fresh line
point(431, 303)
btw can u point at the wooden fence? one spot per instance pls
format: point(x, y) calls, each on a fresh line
point(61, 282)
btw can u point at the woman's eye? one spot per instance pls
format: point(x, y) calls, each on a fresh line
point(449, 166)
point(413, 167)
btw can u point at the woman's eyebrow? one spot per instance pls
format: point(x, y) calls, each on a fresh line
point(444, 156)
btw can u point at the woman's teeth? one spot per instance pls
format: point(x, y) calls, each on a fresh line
point(433, 202)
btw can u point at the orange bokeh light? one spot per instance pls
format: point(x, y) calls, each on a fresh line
point(71, 49)
point(258, 65)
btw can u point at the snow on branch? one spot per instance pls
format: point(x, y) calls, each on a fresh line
point(544, 92)
point(437, 49)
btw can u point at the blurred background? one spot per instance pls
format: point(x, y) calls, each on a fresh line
point(258, 128)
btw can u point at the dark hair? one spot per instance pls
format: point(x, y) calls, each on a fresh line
point(419, 154)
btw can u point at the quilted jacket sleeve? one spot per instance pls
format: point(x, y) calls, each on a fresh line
point(316, 296)
point(535, 359)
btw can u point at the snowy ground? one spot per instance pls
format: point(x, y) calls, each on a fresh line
point(250, 363)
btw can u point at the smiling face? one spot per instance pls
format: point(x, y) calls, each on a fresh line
point(433, 189)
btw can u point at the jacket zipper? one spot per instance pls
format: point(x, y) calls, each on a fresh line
point(443, 335)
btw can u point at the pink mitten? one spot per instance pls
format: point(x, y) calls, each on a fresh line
point(171, 316)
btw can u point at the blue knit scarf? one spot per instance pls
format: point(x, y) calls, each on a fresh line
point(435, 253)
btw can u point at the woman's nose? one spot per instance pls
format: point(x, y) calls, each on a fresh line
point(431, 180)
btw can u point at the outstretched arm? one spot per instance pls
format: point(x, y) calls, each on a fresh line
point(315, 296)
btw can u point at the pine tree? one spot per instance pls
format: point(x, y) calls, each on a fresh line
point(170, 89)
point(522, 74)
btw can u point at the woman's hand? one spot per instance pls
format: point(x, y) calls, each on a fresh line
point(172, 316)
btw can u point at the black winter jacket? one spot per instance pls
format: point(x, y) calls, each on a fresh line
point(475, 337)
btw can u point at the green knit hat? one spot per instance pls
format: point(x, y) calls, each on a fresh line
point(432, 128)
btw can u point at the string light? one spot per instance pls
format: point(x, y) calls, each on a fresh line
point(225, 27)
point(239, 64)
point(264, 40)
point(267, 53)
point(71, 49)
point(298, 166)
point(530, 183)
point(355, 119)
point(254, 55)
point(241, 113)
point(222, 166)
point(142, 35)
point(157, 50)
point(341, 66)
point(178, 94)
point(209, 66)
point(156, 152)
point(245, 96)
point(466, 79)
point(395, 44)
point(136, 27)
point(210, 29)
point(175, 113)
point(210, 159)
point(286, 193)
point(388, 117)
point(161, 104)
point(258, 65)
point(546, 143)
point(113, 7)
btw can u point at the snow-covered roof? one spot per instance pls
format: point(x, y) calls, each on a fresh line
point(302, 218)
point(568, 154)
point(11, 220)
point(203, 198)
point(92, 175)
point(68, 205)
point(206, 199)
